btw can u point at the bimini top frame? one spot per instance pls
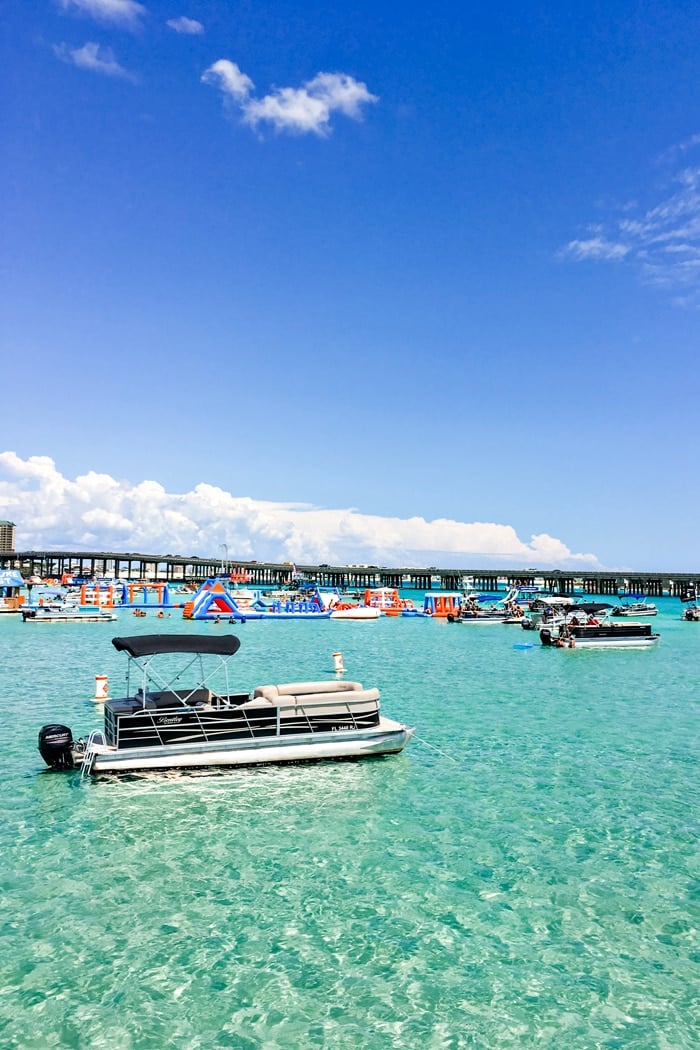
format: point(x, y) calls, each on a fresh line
point(142, 651)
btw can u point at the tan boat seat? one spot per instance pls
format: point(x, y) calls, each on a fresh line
point(274, 692)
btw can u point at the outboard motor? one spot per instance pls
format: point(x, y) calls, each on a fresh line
point(56, 746)
point(546, 636)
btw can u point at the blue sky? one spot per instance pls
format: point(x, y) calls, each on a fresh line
point(387, 265)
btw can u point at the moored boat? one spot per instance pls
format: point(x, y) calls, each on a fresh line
point(629, 635)
point(692, 613)
point(63, 612)
point(474, 612)
point(209, 725)
point(553, 610)
point(634, 609)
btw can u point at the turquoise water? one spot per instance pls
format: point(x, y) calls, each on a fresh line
point(525, 874)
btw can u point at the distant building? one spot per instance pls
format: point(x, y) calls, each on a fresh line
point(7, 537)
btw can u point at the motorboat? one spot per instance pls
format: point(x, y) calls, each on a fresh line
point(163, 725)
point(483, 609)
point(593, 634)
point(67, 612)
point(634, 609)
point(545, 611)
point(472, 613)
point(553, 610)
point(692, 613)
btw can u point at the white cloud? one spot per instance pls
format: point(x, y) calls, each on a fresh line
point(227, 76)
point(94, 58)
point(97, 511)
point(596, 248)
point(306, 109)
point(661, 240)
point(120, 12)
point(188, 26)
point(672, 154)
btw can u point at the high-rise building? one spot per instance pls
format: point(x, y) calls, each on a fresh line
point(7, 536)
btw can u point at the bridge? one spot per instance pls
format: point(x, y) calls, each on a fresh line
point(171, 569)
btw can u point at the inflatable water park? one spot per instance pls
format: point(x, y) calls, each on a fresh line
point(215, 601)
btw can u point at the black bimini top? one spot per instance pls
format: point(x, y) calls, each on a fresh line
point(147, 644)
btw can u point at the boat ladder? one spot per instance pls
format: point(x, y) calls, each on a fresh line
point(90, 752)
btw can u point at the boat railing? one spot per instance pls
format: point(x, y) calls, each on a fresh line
point(278, 714)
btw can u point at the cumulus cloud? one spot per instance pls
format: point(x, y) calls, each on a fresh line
point(226, 75)
point(303, 110)
point(661, 240)
point(127, 13)
point(94, 58)
point(95, 511)
point(188, 26)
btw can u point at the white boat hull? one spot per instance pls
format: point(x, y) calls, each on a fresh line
point(616, 643)
point(484, 619)
point(51, 617)
point(387, 738)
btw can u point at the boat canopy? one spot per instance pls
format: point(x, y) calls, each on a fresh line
point(148, 644)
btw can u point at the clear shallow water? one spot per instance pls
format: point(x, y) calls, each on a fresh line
point(525, 874)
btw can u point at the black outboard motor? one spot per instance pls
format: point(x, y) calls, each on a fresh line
point(546, 636)
point(56, 746)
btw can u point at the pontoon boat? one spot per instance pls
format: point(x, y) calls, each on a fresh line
point(160, 726)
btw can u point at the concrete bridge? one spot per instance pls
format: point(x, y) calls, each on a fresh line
point(168, 568)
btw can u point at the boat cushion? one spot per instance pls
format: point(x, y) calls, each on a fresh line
point(343, 703)
point(338, 700)
point(273, 692)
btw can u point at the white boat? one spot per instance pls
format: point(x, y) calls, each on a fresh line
point(634, 609)
point(356, 612)
point(572, 635)
point(692, 614)
point(62, 612)
point(469, 615)
point(163, 727)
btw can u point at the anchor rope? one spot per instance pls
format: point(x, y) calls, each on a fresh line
point(427, 743)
